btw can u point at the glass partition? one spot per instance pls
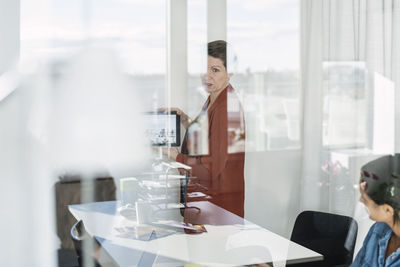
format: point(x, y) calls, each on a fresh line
point(197, 132)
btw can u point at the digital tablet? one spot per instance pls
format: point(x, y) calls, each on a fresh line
point(163, 129)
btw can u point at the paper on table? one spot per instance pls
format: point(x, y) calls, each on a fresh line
point(183, 225)
point(142, 232)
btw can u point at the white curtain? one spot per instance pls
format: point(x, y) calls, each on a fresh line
point(350, 66)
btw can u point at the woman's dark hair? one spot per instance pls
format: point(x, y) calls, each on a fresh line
point(217, 49)
point(383, 182)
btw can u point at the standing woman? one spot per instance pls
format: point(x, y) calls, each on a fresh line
point(380, 193)
point(217, 163)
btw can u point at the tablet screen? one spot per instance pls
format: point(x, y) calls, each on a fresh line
point(163, 129)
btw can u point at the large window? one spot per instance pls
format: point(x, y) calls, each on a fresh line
point(134, 30)
point(266, 67)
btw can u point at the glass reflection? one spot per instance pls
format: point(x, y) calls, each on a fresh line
point(345, 104)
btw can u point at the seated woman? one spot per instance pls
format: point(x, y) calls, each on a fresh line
point(380, 193)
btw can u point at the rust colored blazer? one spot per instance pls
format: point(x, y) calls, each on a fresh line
point(219, 173)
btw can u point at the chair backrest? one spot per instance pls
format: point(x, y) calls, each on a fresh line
point(331, 235)
point(68, 190)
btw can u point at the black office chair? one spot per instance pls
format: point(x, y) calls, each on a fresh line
point(331, 235)
point(79, 236)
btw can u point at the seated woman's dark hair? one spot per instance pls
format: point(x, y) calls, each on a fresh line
point(217, 49)
point(383, 182)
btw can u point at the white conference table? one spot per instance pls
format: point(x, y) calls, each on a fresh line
point(232, 241)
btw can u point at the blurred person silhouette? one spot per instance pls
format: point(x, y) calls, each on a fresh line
point(380, 193)
point(92, 137)
point(214, 142)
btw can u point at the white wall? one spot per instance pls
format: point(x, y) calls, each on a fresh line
point(272, 180)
